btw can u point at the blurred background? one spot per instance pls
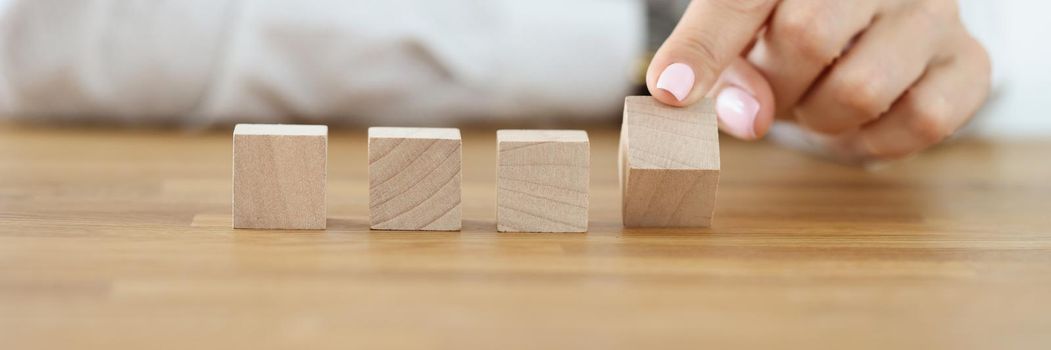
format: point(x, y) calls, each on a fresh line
point(198, 63)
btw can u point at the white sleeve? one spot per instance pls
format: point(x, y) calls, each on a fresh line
point(368, 62)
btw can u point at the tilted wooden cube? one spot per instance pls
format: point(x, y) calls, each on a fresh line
point(542, 180)
point(414, 179)
point(669, 163)
point(279, 176)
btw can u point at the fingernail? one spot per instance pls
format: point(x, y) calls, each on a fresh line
point(677, 79)
point(737, 110)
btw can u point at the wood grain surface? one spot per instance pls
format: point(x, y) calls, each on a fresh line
point(414, 179)
point(279, 176)
point(542, 180)
point(669, 163)
point(122, 240)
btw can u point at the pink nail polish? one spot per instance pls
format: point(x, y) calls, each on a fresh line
point(737, 110)
point(677, 79)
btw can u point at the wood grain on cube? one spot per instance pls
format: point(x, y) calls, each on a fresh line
point(414, 179)
point(279, 176)
point(669, 164)
point(542, 180)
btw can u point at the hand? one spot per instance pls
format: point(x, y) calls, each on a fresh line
point(892, 77)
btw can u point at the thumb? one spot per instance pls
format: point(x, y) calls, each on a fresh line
point(744, 101)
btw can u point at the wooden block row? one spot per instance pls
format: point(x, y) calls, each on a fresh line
point(669, 172)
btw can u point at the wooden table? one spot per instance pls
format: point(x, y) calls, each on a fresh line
point(121, 239)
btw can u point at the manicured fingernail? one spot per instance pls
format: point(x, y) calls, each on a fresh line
point(737, 110)
point(676, 79)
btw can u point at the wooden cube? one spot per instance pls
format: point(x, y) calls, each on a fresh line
point(279, 176)
point(669, 164)
point(414, 179)
point(542, 180)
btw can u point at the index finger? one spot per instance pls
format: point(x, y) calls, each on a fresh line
point(710, 35)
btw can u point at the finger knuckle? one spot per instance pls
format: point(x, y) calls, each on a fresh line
point(929, 119)
point(701, 48)
point(811, 39)
point(862, 93)
point(937, 17)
